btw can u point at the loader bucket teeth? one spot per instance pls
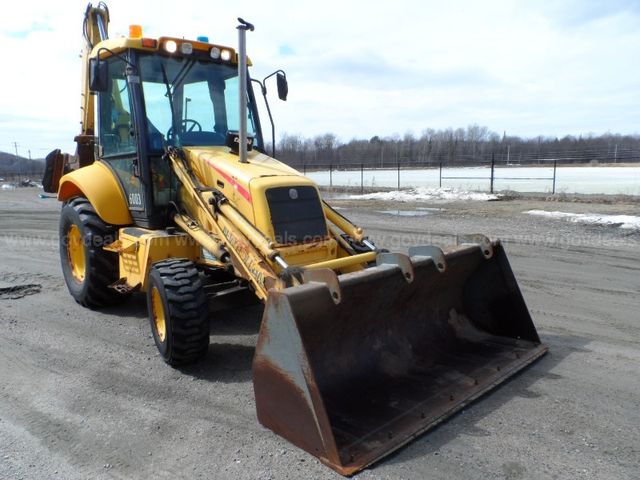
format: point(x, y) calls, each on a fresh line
point(409, 343)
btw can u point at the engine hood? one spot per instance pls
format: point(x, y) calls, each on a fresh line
point(243, 184)
point(206, 160)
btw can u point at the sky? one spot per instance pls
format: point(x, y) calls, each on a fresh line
point(358, 68)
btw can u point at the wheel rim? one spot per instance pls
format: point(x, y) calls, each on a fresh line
point(75, 252)
point(157, 310)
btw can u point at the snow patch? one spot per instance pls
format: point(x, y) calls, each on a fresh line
point(426, 194)
point(630, 222)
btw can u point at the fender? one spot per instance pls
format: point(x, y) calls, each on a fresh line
point(97, 183)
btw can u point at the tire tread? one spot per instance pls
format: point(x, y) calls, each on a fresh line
point(188, 310)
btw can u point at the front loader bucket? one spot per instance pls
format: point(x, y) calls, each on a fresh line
point(350, 373)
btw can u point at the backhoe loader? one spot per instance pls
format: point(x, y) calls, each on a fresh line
point(171, 193)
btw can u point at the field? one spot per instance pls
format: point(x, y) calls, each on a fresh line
point(84, 394)
point(613, 180)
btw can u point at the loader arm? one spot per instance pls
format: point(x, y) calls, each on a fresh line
point(225, 233)
point(222, 235)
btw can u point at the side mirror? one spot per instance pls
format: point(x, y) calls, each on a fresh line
point(98, 75)
point(283, 86)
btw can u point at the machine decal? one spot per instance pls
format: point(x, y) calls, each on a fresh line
point(243, 191)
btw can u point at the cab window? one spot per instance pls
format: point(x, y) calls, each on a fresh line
point(116, 123)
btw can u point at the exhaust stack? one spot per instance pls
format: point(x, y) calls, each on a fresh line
point(242, 79)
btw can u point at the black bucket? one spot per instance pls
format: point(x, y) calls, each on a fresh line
point(351, 377)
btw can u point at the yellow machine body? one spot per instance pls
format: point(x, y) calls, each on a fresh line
point(138, 249)
point(359, 350)
point(97, 183)
point(245, 186)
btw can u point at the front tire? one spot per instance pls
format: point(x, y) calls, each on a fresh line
point(88, 269)
point(178, 312)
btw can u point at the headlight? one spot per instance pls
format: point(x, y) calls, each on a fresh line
point(186, 48)
point(225, 55)
point(215, 53)
point(170, 46)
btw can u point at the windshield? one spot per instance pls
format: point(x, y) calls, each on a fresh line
point(189, 102)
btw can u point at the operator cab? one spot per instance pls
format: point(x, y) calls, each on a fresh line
point(175, 94)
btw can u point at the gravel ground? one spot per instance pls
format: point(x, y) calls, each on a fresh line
point(83, 394)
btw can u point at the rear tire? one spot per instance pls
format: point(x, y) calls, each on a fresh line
point(88, 269)
point(178, 311)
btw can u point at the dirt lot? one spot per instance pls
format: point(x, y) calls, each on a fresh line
point(84, 394)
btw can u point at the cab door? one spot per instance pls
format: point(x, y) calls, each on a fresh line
point(118, 140)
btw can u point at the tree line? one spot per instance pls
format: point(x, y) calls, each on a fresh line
point(474, 145)
point(20, 167)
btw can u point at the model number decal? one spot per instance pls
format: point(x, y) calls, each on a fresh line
point(135, 199)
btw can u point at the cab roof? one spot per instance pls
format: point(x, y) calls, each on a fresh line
point(193, 48)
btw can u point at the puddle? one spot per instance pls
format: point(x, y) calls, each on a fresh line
point(418, 212)
point(19, 291)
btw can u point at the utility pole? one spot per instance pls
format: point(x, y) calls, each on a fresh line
point(615, 154)
point(15, 145)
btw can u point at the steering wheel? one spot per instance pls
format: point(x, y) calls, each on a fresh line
point(184, 124)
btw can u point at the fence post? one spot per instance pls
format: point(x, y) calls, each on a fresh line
point(398, 174)
point(440, 173)
point(555, 164)
point(304, 169)
point(493, 166)
point(361, 178)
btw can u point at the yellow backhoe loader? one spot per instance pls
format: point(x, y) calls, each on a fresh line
point(172, 193)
